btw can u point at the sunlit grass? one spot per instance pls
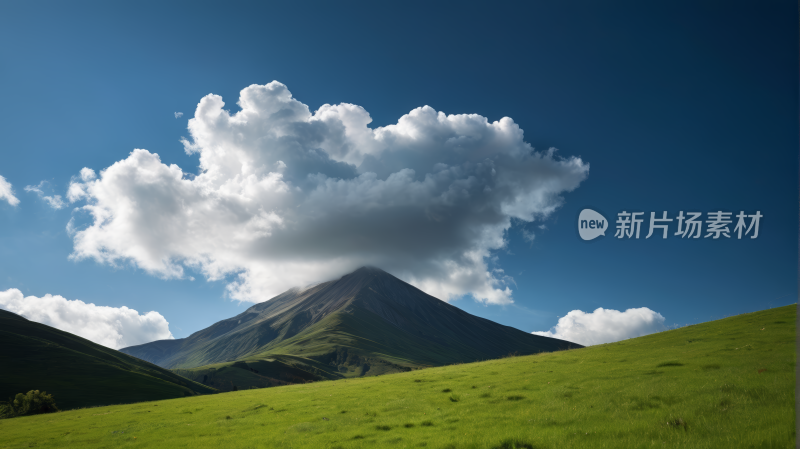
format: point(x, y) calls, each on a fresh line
point(726, 383)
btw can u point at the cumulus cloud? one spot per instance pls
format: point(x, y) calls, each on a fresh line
point(75, 191)
point(178, 114)
point(285, 197)
point(109, 326)
point(54, 201)
point(7, 193)
point(605, 325)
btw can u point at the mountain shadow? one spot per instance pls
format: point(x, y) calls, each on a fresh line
point(77, 372)
point(365, 323)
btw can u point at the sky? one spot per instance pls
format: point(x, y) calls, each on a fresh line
point(165, 166)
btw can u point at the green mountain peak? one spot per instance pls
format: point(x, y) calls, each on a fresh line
point(365, 323)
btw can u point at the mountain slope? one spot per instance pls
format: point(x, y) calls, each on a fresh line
point(77, 372)
point(367, 322)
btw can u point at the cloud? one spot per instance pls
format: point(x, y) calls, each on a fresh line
point(178, 114)
point(53, 201)
point(285, 197)
point(605, 325)
point(528, 235)
point(7, 193)
point(87, 174)
point(109, 326)
point(76, 191)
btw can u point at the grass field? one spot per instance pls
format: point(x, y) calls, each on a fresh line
point(723, 384)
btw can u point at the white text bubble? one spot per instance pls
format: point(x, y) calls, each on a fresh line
point(591, 224)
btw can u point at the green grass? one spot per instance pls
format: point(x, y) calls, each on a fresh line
point(726, 383)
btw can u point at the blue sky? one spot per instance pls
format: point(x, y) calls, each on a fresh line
point(679, 106)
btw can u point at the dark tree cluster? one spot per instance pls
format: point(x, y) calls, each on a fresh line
point(30, 403)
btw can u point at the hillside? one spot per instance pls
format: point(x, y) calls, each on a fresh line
point(726, 383)
point(76, 371)
point(260, 373)
point(366, 323)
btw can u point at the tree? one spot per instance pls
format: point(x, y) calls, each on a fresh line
point(30, 403)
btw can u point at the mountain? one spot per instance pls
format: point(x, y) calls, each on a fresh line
point(77, 372)
point(365, 323)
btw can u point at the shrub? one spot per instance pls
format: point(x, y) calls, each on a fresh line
point(514, 444)
point(672, 363)
point(30, 403)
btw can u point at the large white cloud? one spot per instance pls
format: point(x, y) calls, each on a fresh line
point(109, 326)
point(285, 197)
point(605, 325)
point(7, 192)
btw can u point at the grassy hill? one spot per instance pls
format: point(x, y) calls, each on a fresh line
point(366, 323)
point(259, 373)
point(77, 372)
point(727, 383)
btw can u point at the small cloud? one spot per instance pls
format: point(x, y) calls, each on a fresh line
point(36, 189)
point(77, 189)
point(605, 325)
point(178, 114)
point(87, 174)
point(528, 235)
point(7, 193)
point(542, 226)
point(71, 227)
point(113, 327)
point(53, 201)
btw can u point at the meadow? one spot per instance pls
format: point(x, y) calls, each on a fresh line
point(728, 383)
